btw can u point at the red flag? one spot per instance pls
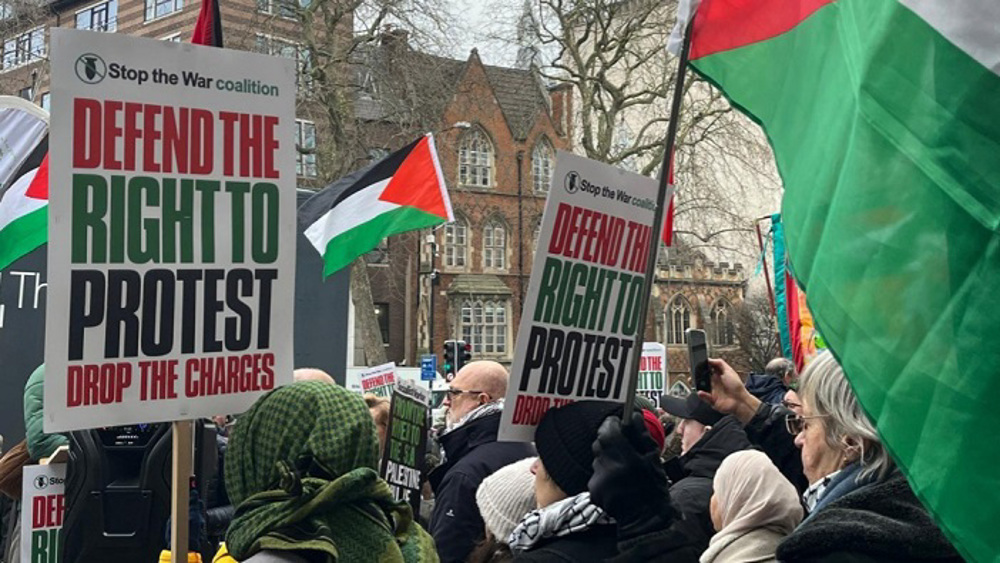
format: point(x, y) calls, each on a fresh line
point(208, 28)
point(668, 225)
point(668, 221)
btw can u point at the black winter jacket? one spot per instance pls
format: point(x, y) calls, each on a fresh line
point(767, 388)
point(767, 431)
point(882, 522)
point(472, 454)
point(598, 543)
point(691, 493)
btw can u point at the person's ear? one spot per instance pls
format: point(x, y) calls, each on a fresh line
point(852, 449)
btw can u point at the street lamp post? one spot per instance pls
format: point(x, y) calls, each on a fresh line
point(432, 246)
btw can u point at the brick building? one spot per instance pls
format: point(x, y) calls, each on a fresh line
point(497, 132)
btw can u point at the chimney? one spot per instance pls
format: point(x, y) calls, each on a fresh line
point(561, 96)
point(395, 39)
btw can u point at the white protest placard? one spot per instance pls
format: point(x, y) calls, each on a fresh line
point(581, 313)
point(379, 380)
point(172, 219)
point(652, 371)
point(42, 507)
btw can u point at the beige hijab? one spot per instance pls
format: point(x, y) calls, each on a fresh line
point(752, 495)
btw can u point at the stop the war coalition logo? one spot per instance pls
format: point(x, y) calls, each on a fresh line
point(575, 183)
point(91, 69)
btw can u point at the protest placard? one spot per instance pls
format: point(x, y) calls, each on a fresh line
point(652, 371)
point(42, 507)
point(172, 230)
point(379, 380)
point(406, 442)
point(582, 311)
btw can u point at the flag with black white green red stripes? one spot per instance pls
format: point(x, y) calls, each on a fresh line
point(402, 192)
point(24, 186)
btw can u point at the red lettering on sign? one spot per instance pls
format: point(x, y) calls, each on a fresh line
point(86, 133)
point(47, 511)
point(113, 134)
point(529, 409)
point(583, 233)
point(225, 375)
point(97, 384)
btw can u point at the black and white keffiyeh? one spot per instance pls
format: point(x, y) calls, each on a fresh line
point(568, 516)
point(816, 490)
point(481, 411)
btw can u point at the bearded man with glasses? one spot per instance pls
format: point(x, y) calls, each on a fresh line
point(474, 404)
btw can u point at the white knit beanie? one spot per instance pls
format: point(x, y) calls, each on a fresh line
point(505, 497)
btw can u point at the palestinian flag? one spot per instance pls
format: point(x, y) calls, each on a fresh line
point(884, 116)
point(24, 196)
point(402, 192)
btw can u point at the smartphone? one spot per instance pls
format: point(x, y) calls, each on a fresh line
point(701, 372)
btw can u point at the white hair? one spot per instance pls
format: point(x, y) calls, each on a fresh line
point(828, 393)
point(780, 368)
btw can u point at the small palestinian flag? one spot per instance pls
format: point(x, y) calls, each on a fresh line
point(24, 186)
point(402, 192)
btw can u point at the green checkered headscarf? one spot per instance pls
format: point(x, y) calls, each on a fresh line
point(300, 468)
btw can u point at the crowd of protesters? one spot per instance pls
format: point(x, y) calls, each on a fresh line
point(771, 467)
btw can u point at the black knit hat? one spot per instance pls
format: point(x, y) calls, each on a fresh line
point(564, 438)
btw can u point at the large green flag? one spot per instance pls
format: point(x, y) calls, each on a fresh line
point(884, 116)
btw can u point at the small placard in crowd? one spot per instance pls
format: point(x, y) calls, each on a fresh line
point(406, 442)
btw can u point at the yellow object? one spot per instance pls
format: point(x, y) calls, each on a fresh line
point(192, 557)
point(222, 556)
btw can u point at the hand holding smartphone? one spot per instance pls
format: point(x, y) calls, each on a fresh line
point(701, 372)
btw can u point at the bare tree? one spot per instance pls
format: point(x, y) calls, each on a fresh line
point(25, 60)
point(756, 331)
point(612, 52)
point(355, 93)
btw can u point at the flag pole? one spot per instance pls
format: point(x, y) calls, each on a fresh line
point(767, 275)
point(654, 239)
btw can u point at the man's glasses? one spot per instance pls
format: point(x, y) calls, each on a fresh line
point(796, 423)
point(452, 392)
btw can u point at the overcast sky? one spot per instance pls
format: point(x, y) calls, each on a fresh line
point(475, 24)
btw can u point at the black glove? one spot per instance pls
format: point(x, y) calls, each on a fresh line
point(217, 520)
point(629, 482)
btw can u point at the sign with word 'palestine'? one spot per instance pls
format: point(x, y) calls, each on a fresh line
point(171, 230)
point(652, 371)
point(379, 380)
point(42, 507)
point(581, 314)
point(406, 442)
